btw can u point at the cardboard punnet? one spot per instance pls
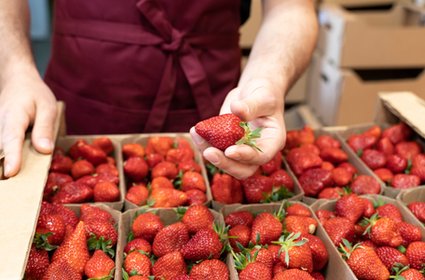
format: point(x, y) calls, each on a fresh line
point(409, 196)
point(20, 200)
point(336, 268)
point(341, 97)
point(143, 139)
point(371, 39)
point(330, 205)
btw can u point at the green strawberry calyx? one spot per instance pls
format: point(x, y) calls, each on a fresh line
point(249, 136)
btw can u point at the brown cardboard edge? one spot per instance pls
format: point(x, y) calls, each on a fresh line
point(142, 139)
point(65, 142)
point(412, 195)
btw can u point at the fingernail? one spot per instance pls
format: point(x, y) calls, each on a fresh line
point(199, 140)
point(45, 143)
point(213, 159)
point(7, 169)
point(231, 152)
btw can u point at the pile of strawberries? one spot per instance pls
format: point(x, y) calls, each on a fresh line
point(68, 247)
point(163, 173)
point(391, 154)
point(270, 183)
point(384, 243)
point(165, 249)
point(279, 245)
point(85, 173)
point(322, 167)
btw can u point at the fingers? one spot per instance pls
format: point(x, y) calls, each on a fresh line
point(198, 140)
point(42, 132)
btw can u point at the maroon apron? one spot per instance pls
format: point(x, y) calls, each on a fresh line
point(134, 66)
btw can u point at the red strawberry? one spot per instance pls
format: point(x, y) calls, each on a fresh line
point(107, 168)
point(137, 263)
point(38, 261)
point(171, 238)
point(397, 133)
point(102, 229)
point(408, 150)
point(137, 194)
point(106, 192)
point(361, 142)
point(409, 233)
point(239, 234)
point(54, 183)
point(61, 164)
point(146, 226)
point(138, 244)
point(326, 141)
point(384, 174)
point(168, 198)
point(300, 224)
point(339, 228)
point(133, 150)
point(418, 209)
point(189, 165)
point(384, 232)
point(257, 187)
point(161, 182)
point(193, 180)
point(73, 192)
point(262, 255)
point(306, 136)
point(255, 270)
point(203, 245)
point(221, 188)
point(136, 168)
point(169, 265)
point(53, 224)
point(159, 145)
point(374, 131)
point(341, 176)
point(239, 218)
point(412, 274)
point(314, 180)
point(226, 130)
point(418, 167)
point(153, 159)
point(327, 166)
point(351, 207)
point(349, 167)
point(396, 163)
point(210, 270)
point(81, 168)
point(293, 273)
point(318, 251)
point(104, 143)
point(99, 265)
point(416, 254)
point(391, 256)
point(301, 160)
point(177, 155)
point(390, 211)
point(74, 249)
point(297, 209)
point(165, 169)
point(324, 215)
point(405, 181)
point(74, 150)
point(385, 146)
point(281, 178)
point(364, 184)
point(196, 197)
point(61, 270)
point(369, 208)
point(93, 154)
point(334, 155)
point(296, 253)
point(89, 212)
point(266, 228)
point(374, 159)
point(273, 165)
point(310, 148)
point(67, 215)
point(198, 217)
point(331, 193)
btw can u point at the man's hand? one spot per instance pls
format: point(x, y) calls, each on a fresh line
point(257, 104)
point(25, 100)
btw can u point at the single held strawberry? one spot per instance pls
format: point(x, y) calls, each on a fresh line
point(136, 168)
point(364, 262)
point(226, 130)
point(293, 273)
point(203, 245)
point(137, 263)
point(106, 192)
point(171, 238)
point(416, 254)
point(351, 207)
point(210, 270)
point(339, 228)
point(137, 194)
point(138, 244)
point(38, 261)
point(391, 256)
point(197, 217)
point(169, 265)
point(133, 150)
point(239, 218)
point(99, 265)
point(146, 226)
point(60, 270)
point(418, 209)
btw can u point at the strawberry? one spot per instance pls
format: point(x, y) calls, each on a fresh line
point(196, 197)
point(60, 270)
point(341, 176)
point(361, 142)
point(133, 150)
point(161, 182)
point(146, 226)
point(139, 277)
point(331, 193)
point(210, 270)
point(315, 180)
point(374, 131)
point(391, 256)
point(351, 207)
point(295, 253)
point(107, 168)
point(60, 164)
point(171, 238)
point(333, 155)
point(239, 218)
point(318, 250)
point(189, 165)
point(137, 263)
point(165, 169)
point(153, 159)
point(266, 228)
point(89, 180)
point(136, 168)
point(273, 165)
point(168, 198)
point(67, 215)
point(74, 249)
point(99, 265)
point(412, 274)
point(221, 188)
point(408, 150)
point(310, 148)
point(364, 184)
point(257, 187)
point(369, 208)
point(327, 165)
point(364, 262)
point(301, 160)
point(326, 141)
point(177, 155)
point(93, 154)
point(159, 144)
point(293, 273)
point(397, 133)
point(281, 178)
point(38, 261)
point(384, 174)
point(73, 192)
point(306, 136)
point(74, 150)
point(416, 254)
point(385, 146)
point(297, 209)
point(418, 209)
point(339, 228)
point(198, 217)
point(138, 244)
point(405, 181)
point(106, 192)
point(383, 231)
point(81, 168)
point(396, 163)
point(390, 211)
point(89, 212)
point(104, 143)
point(169, 265)
point(111, 160)
point(53, 224)
point(300, 224)
point(226, 130)
point(54, 183)
point(239, 234)
point(409, 233)
point(193, 180)
point(203, 245)
point(137, 194)
point(374, 159)
point(255, 270)
point(102, 229)
point(349, 167)
point(262, 255)
point(324, 215)
point(418, 167)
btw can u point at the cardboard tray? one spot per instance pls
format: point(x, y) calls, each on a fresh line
point(336, 269)
point(143, 139)
point(412, 195)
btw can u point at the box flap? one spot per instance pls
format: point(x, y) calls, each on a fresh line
point(408, 107)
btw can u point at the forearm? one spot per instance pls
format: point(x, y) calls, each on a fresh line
point(284, 44)
point(15, 51)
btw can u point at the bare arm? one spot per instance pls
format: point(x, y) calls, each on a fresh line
point(24, 98)
point(282, 50)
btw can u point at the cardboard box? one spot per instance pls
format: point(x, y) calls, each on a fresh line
point(412, 195)
point(343, 97)
point(371, 39)
point(336, 268)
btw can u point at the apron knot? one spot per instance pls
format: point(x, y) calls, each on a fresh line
point(174, 43)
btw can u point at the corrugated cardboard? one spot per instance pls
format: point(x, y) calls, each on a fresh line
point(341, 97)
point(371, 39)
point(336, 269)
point(143, 139)
point(21, 195)
point(412, 195)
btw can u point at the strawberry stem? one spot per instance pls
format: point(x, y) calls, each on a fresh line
point(250, 136)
